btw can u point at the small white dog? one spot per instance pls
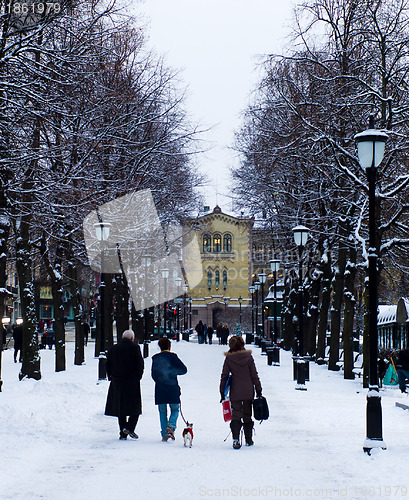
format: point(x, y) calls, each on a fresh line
point(188, 434)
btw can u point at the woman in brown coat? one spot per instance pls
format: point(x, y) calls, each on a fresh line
point(244, 378)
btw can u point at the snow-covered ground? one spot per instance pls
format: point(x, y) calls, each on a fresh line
point(57, 444)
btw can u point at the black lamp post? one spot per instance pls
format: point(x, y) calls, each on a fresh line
point(146, 262)
point(190, 313)
point(252, 289)
point(185, 289)
point(240, 301)
point(262, 277)
point(165, 276)
point(300, 238)
point(371, 148)
point(178, 283)
point(275, 266)
point(257, 285)
point(102, 230)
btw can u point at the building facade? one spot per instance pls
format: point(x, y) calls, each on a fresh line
point(225, 249)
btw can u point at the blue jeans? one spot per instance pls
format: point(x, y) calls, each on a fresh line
point(163, 415)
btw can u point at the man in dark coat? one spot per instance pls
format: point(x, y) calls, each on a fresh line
point(166, 366)
point(244, 378)
point(125, 369)
point(18, 341)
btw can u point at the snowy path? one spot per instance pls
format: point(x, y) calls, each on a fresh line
point(56, 443)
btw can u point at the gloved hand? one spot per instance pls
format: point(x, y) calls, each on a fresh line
point(258, 394)
point(222, 397)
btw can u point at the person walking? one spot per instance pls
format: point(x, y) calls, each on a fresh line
point(125, 367)
point(166, 366)
point(200, 332)
point(18, 341)
point(225, 334)
point(240, 364)
point(210, 334)
point(86, 329)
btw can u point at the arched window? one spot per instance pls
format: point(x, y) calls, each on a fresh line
point(207, 243)
point(209, 278)
point(217, 278)
point(227, 246)
point(225, 278)
point(217, 243)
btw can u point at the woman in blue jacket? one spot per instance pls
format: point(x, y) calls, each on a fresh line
point(166, 366)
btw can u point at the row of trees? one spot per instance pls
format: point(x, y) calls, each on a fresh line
point(87, 115)
point(350, 60)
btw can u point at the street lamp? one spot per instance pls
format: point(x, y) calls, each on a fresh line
point(185, 289)
point(165, 276)
point(240, 301)
point(178, 282)
point(257, 286)
point(300, 238)
point(275, 266)
point(252, 289)
point(190, 313)
point(371, 148)
point(102, 230)
point(262, 277)
point(146, 262)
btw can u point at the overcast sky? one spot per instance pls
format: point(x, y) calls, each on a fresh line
point(216, 44)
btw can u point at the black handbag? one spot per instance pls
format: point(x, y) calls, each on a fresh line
point(260, 408)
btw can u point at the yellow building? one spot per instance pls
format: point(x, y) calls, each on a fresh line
point(226, 248)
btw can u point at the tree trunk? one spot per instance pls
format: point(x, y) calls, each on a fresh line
point(30, 356)
point(324, 307)
point(337, 300)
point(122, 303)
point(79, 355)
point(59, 326)
point(349, 314)
point(313, 311)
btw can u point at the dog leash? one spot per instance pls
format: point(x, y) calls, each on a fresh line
point(181, 413)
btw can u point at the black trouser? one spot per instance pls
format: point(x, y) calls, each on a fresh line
point(128, 423)
point(241, 410)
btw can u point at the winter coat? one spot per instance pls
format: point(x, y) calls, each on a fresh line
point(124, 369)
point(244, 376)
point(18, 338)
point(166, 366)
point(200, 328)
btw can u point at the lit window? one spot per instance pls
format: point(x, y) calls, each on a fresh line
point(207, 243)
point(227, 246)
point(217, 243)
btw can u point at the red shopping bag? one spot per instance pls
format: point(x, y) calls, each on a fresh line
point(226, 410)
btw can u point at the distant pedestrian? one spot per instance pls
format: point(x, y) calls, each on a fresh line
point(86, 329)
point(240, 364)
point(210, 334)
point(166, 366)
point(125, 367)
point(18, 341)
point(225, 334)
point(200, 332)
point(219, 329)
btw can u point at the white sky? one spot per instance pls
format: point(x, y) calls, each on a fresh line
point(216, 44)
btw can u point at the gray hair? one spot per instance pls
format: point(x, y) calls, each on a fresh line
point(128, 334)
